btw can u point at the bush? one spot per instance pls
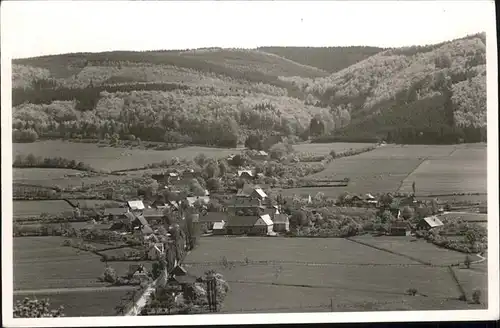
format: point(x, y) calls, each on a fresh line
point(412, 291)
point(33, 308)
point(24, 135)
point(110, 275)
point(476, 296)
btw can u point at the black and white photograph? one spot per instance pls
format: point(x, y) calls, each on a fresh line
point(238, 162)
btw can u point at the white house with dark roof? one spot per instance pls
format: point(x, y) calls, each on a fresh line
point(219, 228)
point(259, 194)
point(263, 225)
point(430, 222)
point(136, 205)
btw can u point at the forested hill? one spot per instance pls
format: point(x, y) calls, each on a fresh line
point(426, 94)
point(330, 59)
point(190, 96)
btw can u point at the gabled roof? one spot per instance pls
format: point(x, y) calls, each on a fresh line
point(433, 221)
point(400, 225)
point(136, 204)
point(260, 192)
point(115, 211)
point(369, 196)
point(158, 202)
point(263, 153)
point(178, 271)
point(242, 221)
point(192, 200)
point(187, 279)
point(270, 211)
point(281, 218)
point(142, 220)
point(219, 225)
point(152, 213)
point(146, 230)
point(267, 219)
point(130, 216)
point(249, 172)
point(213, 217)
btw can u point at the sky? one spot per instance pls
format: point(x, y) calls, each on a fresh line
point(35, 28)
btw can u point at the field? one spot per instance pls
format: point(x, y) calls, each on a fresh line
point(314, 274)
point(26, 208)
point(420, 249)
point(64, 178)
point(326, 148)
point(465, 216)
point(391, 168)
point(79, 304)
point(463, 170)
point(42, 263)
point(109, 158)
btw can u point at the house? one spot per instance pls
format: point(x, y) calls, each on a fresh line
point(271, 211)
point(281, 223)
point(115, 213)
point(429, 223)
point(240, 225)
point(152, 215)
point(210, 218)
point(261, 155)
point(263, 225)
point(259, 194)
point(137, 271)
point(353, 200)
point(219, 228)
point(371, 200)
point(203, 199)
point(158, 204)
point(136, 205)
point(246, 174)
point(400, 228)
point(156, 251)
point(394, 208)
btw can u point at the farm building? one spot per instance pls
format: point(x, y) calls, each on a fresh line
point(261, 154)
point(263, 225)
point(240, 225)
point(353, 200)
point(430, 222)
point(246, 174)
point(152, 215)
point(203, 199)
point(210, 218)
point(158, 204)
point(400, 228)
point(219, 228)
point(135, 205)
point(281, 223)
point(115, 213)
point(271, 211)
point(259, 194)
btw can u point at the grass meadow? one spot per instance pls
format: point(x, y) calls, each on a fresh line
point(325, 275)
